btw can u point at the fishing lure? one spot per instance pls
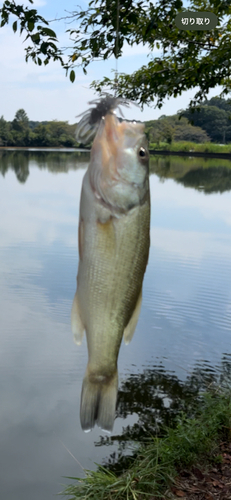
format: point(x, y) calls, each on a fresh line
point(88, 125)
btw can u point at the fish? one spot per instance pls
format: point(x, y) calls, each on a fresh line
point(113, 241)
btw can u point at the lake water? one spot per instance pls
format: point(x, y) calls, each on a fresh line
point(183, 333)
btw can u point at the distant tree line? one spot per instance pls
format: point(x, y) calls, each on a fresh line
point(211, 122)
point(23, 132)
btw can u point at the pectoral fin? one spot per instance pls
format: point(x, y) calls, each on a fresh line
point(77, 325)
point(131, 326)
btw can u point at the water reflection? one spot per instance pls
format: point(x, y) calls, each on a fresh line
point(211, 180)
point(204, 174)
point(18, 162)
point(21, 162)
point(208, 175)
point(157, 397)
point(185, 316)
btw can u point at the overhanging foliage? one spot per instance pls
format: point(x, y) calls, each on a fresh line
point(179, 59)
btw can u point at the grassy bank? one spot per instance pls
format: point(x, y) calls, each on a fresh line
point(194, 441)
point(208, 147)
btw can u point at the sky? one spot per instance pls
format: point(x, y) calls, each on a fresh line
point(45, 93)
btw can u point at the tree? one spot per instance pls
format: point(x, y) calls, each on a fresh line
point(60, 134)
point(20, 128)
point(220, 103)
point(184, 131)
point(166, 130)
point(213, 120)
point(187, 59)
point(21, 120)
point(28, 21)
point(226, 106)
point(169, 128)
point(41, 135)
point(23, 132)
point(5, 134)
point(191, 134)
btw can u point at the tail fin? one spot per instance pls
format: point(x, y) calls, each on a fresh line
point(98, 402)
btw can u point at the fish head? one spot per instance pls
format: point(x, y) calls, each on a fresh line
point(119, 163)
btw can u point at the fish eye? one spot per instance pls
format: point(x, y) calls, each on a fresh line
point(142, 152)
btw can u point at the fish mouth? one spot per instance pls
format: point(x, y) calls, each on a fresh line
point(113, 129)
point(114, 137)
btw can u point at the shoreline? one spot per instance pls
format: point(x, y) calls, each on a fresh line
point(199, 154)
point(190, 460)
point(154, 152)
point(44, 148)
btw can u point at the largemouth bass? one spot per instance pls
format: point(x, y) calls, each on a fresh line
point(114, 244)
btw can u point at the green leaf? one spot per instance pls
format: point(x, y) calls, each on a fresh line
point(30, 25)
point(72, 76)
point(106, 54)
point(48, 32)
point(43, 47)
point(14, 26)
point(35, 38)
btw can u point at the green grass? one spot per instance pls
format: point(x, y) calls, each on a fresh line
point(208, 147)
point(194, 440)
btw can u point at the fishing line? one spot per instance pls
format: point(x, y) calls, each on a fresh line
point(71, 454)
point(117, 45)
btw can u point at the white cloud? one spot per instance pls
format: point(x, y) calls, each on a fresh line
point(46, 93)
point(211, 206)
point(190, 246)
point(41, 218)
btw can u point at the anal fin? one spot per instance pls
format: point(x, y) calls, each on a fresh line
point(77, 325)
